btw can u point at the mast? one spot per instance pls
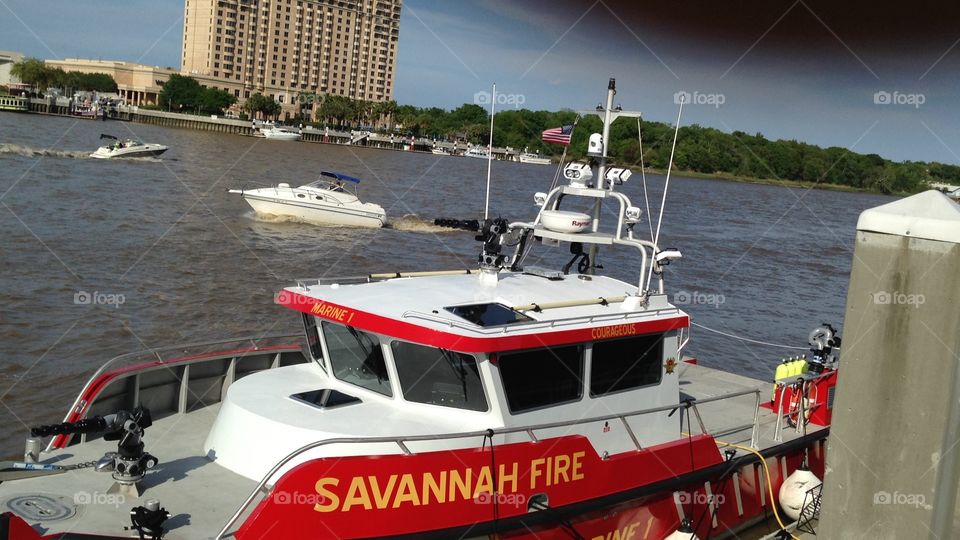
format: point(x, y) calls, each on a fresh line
point(608, 114)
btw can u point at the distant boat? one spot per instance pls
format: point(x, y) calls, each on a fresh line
point(437, 151)
point(536, 159)
point(478, 152)
point(127, 148)
point(280, 133)
point(325, 201)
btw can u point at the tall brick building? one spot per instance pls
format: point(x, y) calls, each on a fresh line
point(282, 48)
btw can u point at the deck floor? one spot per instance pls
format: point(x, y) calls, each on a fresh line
point(198, 512)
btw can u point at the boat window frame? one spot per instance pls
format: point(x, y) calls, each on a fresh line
point(391, 374)
point(322, 361)
point(581, 347)
point(400, 393)
point(662, 344)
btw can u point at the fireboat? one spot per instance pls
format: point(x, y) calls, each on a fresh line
point(507, 400)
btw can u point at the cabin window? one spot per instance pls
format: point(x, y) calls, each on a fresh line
point(356, 358)
point(438, 377)
point(624, 364)
point(542, 377)
point(313, 337)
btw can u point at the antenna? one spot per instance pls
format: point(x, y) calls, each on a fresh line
point(643, 174)
point(666, 185)
point(493, 106)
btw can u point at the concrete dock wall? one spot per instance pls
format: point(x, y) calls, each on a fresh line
point(899, 366)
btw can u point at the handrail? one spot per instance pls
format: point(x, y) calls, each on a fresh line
point(401, 443)
point(755, 425)
point(538, 323)
point(156, 352)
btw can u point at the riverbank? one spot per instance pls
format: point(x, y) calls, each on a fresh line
point(384, 142)
point(727, 177)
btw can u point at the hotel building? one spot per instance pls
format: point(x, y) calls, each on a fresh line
point(283, 48)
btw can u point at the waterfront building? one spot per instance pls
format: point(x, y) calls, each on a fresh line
point(7, 60)
point(285, 48)
point(137, 84)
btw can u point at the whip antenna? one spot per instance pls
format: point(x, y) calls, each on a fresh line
point(643, 174)
point(666, 185)
point(493, 105)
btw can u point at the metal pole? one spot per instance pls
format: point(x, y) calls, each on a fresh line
point(601, 171)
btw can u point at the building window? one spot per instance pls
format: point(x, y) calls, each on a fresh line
point(542, 377)
point(356, 357)
point(625, 364)
point(438, 377)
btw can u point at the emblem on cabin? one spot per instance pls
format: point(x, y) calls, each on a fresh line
point(670, 365)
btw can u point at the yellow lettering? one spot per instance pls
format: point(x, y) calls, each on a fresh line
point(357, 495)
point(407, 492)
point(562, 464)
point(327, 495)
point(439, 490)
point(503, 478)
point(535, 471)
point(460, 484)
point(382, 497)
point(632, 530)
point(577, 473)
point(484, 482)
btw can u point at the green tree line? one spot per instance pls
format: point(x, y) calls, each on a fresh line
point(37, 74)
point(699, 149)
point(185, 94)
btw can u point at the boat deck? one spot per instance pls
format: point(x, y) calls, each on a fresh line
point(201, 495)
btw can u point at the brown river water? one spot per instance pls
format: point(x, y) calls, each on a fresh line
point(168, 257)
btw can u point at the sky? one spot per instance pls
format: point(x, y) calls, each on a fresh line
point(853, 74)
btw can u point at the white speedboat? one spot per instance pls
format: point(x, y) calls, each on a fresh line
point(438, 151)
point(127, 148)
point(478, 152)
point(280, 133)
point(536, 159)
point(325, 201)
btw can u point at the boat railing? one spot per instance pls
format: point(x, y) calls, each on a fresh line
point(162, 357)
point(541, 324)
point(754, 426)
point(803, 409)
point(402, 443)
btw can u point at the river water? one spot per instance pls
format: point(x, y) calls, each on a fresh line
point(169, 257)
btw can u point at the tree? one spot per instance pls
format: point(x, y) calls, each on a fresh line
point(180, 92)
point(259, 103)
point(214, 100)
point(32, 71)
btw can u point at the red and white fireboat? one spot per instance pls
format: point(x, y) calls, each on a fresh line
point(508, 400)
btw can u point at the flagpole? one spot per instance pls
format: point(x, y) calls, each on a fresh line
point(493, 107)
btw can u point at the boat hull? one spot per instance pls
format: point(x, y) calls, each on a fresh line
point(321, 214)
point(152, 150)
point(477, 492)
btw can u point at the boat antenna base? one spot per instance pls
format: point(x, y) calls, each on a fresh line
point(148, 520)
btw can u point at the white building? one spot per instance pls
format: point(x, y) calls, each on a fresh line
point(7, 60)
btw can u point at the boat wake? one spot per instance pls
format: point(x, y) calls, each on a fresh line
point(21, 150)
point(415, 223)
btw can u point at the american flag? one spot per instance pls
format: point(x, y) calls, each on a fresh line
point(560, 135)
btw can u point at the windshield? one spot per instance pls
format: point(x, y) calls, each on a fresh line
point(356, 358)
point(438, 377)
